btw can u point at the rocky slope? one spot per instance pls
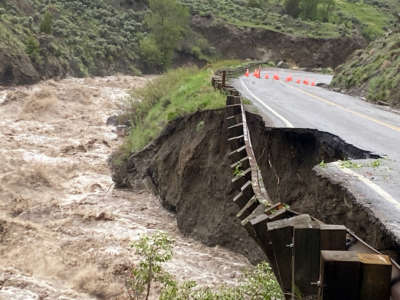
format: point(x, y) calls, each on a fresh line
point(373, 73)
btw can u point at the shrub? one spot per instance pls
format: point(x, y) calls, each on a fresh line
point(155, 250)
point(151, 52)
point(256, 284)
point(47, 23)
point(32, 48)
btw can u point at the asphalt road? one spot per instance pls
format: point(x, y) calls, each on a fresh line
point(362, 124)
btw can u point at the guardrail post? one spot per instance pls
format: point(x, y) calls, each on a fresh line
point(223, 78)
point(356, 276)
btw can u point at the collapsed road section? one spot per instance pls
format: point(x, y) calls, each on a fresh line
point(203, 161)
point(229, 191)
point(297, 245)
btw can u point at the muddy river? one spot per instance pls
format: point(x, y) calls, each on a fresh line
point(65, 232)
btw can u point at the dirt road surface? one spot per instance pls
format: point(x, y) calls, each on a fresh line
point(65, 233)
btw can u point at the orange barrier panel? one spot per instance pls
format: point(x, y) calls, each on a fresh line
point(276, 77)
point(289, 78)
point(313, 83)
point(266, 76)
point(305, 82)
point(298, 81)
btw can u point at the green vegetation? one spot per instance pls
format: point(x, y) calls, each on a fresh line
point(373, 72)
point(314, 18)
point(238, 172)
point(82, 37)
point(155, 250)
point(256, 284)
point(79, 37)
point(354, 165)
point(176, 93)
point(46, 24)
point(350, 164)
point(168, 22)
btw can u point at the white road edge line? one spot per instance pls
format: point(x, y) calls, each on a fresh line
point(376, 188)
point(286, 122)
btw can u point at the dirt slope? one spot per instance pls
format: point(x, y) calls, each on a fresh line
point(188, 167)
point(261, 44)
point(64, 231)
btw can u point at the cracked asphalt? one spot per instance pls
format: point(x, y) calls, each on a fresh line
point(376, 183)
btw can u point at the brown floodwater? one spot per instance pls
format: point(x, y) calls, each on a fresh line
point(65, 232)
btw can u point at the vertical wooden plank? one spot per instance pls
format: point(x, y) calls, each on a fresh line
point(340, 276)
point(333, 237)
point(281, 233)
point(263, 238)
point(376, 275)
point(307, 259)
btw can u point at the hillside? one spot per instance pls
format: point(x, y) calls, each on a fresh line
point(330, 19)
point(42, 39)
point(374, 72)
point(84, 37)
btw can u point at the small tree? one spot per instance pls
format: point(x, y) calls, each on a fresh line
point(168, 22)
point(155, 250)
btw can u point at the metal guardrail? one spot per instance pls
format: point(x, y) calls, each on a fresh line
point(308, 257)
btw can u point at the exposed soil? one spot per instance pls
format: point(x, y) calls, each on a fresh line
point(188, 168)
point(288, 157)
point(65, 231)
point(256, 43)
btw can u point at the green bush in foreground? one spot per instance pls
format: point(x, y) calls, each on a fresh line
point(257, 283)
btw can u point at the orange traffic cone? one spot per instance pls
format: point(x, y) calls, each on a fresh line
point(289, 78)
point(247, 73)
point(255, 73)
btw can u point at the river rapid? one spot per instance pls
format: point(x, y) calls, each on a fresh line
point(65, 232)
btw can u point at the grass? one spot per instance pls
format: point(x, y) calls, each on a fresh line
point(176, 93)
point(373, 72)
point(367, 17)
point(373, 21)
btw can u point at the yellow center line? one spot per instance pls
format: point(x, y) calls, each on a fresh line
point(396, 128)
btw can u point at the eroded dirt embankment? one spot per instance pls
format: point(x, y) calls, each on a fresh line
point(188, 168)
point(65, 232)
point(289, 162)
point(258, 43)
